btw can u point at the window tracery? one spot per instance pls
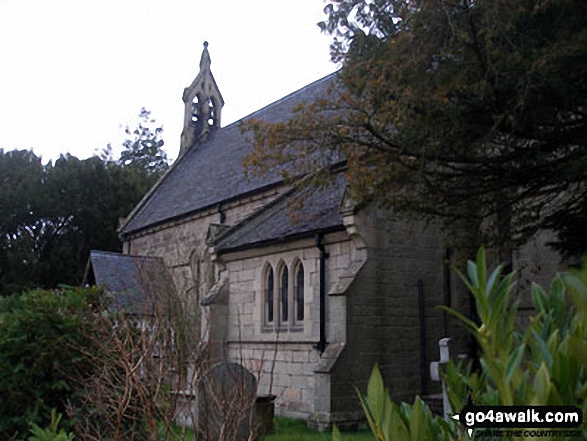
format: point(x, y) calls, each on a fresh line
point(283, 296)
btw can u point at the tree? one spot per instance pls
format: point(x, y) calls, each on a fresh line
point(468, 111)
point(68, 353)
point(88, 199)
point(52, 216)
point(21, 178)
point(144, 147)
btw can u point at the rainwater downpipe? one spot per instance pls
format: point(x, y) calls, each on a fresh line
point(447, 286)
point(321, 345)
point(422, 322)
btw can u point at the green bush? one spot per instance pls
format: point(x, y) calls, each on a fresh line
point(389, 421)
point(541, 363)
point(41, 333)
point(51, 433)
point(64, 351)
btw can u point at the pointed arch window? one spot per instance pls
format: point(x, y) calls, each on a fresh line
point(211, 113)
point(269, 295)
point(196, 111)
point(284, 294)
point(299, 293)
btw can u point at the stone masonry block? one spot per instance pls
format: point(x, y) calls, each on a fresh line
point(300, 356)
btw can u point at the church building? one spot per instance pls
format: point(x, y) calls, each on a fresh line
point(310, 298)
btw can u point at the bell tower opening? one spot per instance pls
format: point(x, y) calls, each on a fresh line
point(211, 113)
point(196, 109)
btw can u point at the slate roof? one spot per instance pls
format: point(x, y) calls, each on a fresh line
point(137, 283)
point(283, 221)
point(212, 172)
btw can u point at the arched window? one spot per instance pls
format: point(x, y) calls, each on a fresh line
point(299, 293)
point(269, 294)
point(212, 113)
point(284, 294)
point(196, 111)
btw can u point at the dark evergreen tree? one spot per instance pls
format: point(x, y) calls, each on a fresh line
point(21, 180)
point(472, 111)
point(52, 216)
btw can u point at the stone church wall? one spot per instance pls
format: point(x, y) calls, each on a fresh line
point(178, 242)
point(383, 309)
point(383, 316)
point(374, 319)
point(283, 359)
point(182, 244)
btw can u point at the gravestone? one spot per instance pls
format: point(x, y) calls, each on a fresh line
point(225, 402)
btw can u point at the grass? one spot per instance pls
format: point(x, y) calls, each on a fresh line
point(287, 429)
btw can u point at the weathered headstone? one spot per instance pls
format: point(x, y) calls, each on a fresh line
point(225, 402)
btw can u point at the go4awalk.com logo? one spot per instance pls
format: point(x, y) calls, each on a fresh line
point(519, 417)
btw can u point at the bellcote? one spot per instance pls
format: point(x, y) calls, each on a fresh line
point(203, 105)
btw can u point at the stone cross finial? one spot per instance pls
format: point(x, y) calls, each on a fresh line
point(205, 60)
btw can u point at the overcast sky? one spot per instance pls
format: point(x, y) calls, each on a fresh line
point(73, 71)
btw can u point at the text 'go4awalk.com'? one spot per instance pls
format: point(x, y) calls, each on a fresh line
point(522, 418)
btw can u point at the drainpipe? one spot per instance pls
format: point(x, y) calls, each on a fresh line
point(447, 286)
point(422, 320)
point(321, 345)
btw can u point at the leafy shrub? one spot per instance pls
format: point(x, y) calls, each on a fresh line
point(51, 433)
point(39, 331)
point(108, 373)
point(388, 421)
point(542, 363)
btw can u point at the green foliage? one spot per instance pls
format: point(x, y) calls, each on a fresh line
point(52, 432)
point(52, 216)
point(39, 334)
point(62, 352)
point(144, 149)
point(471, 112)
point(22, 178)
point(541, 363)
point(388, 421)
